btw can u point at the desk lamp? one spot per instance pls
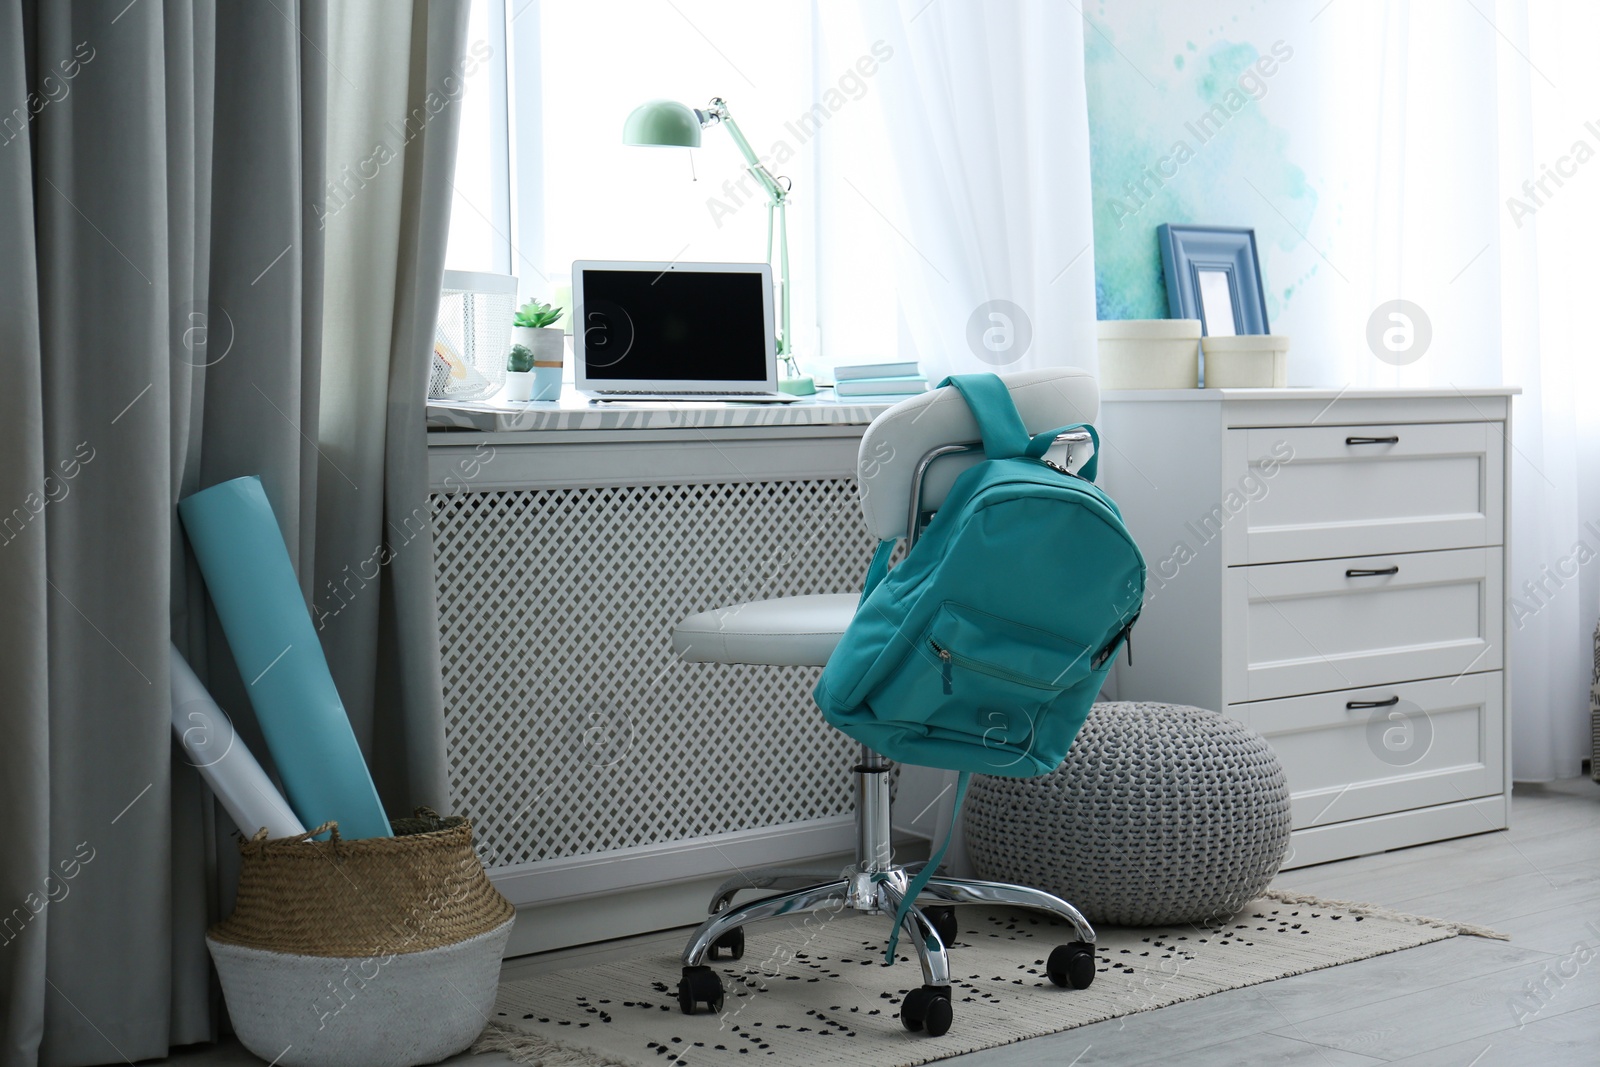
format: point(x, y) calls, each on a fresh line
point(667, 122)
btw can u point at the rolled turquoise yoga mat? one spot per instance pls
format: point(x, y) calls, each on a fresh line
point(257, 598)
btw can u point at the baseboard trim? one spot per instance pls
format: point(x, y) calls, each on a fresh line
point(1401, 829)
point(672, 862)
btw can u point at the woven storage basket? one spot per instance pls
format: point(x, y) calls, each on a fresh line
point(382, 952)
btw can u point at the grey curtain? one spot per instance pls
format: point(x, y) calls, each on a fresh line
point(164, 250)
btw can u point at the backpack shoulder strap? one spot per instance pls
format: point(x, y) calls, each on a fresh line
point(928, 869)
point(1004, 436)
point(878, 568)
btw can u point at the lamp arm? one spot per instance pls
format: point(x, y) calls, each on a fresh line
point(717, 114)
point(774, 189)
point(777, 197)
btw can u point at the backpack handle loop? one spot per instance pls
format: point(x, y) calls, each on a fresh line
point(1004, 436)
point(1040, 444)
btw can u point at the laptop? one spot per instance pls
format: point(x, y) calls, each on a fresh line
point(674, 331)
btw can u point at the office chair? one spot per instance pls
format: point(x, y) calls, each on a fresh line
point(900, 485)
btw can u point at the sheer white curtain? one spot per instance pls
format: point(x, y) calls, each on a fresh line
point(1429, 119)
point(987, 125)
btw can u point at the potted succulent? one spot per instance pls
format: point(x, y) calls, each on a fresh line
point(519, 373)
point(534, 331)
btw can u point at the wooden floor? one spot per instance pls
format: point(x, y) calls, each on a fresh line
point(1463, 1002)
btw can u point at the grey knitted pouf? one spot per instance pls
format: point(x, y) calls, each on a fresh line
point(1160, 814)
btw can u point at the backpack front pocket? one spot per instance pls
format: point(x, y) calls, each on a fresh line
point(981, 677)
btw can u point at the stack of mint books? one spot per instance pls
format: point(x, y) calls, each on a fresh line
point(891, 380)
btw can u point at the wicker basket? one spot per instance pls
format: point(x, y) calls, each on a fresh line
point(362, 952)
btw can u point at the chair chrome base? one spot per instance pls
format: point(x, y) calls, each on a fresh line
point(873, 885)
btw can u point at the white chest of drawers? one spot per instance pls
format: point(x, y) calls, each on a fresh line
point(1328, 566)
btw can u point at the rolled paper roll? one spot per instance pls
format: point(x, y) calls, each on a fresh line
point(209, 743)
point(257, 597)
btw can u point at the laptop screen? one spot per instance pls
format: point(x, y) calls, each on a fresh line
point(674, 325)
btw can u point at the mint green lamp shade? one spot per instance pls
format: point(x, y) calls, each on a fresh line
point(662, 122)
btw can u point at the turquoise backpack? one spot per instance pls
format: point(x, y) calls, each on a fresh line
point(984, 649)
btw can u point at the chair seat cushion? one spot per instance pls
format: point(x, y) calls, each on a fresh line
point(786, 632)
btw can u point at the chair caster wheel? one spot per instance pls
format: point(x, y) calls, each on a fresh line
point(927, 1009)
point(943, 918)
point(1072, 965)
point(731, 943)
point(699, 985)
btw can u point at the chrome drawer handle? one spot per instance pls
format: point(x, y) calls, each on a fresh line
point(1356, 705)
point(1372, 440)
point(1363, 572)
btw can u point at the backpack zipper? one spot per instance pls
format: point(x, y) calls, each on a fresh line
point(944, 668)
point(947, 658)
point(1105, 653)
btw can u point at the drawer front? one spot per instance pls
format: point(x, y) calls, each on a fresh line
point(1293, 628)
point(1316, 492)
point(1424, 743)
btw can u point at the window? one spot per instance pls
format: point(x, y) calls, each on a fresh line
point(543, 178)
point(480, 205)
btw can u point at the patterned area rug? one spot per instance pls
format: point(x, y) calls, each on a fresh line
point(819, 992)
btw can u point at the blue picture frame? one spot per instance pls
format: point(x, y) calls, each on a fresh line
point(1197, 261)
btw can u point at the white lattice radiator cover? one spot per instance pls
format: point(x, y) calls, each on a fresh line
point(571, 726)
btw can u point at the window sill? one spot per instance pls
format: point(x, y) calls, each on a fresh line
point(576, 412)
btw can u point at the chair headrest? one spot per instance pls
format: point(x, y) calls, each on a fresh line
point(900, 437)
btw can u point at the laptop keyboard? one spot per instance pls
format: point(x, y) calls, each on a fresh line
point(683, 392)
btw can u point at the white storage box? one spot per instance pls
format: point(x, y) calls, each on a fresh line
point(1249, 361)
point(1150, 354)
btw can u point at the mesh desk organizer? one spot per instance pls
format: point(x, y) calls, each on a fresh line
point(897, 463)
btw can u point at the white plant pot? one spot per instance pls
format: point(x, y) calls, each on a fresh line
point(1249, 361)
point(380, 1011)
point(519, 385)
point(1150, 354)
